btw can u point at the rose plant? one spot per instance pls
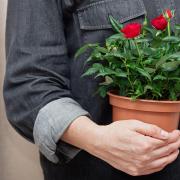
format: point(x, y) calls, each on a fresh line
point(139, 60)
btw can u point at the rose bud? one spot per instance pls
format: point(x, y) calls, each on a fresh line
point(168, 14)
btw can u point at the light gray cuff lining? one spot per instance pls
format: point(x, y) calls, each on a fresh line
point(51, 122)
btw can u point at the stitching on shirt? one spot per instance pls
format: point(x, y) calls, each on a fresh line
point(93, 4)
point(92, 27)
point(109, 26)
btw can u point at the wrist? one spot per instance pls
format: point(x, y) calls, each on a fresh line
point(94, 137)
point(95, 143)
point(84, 134)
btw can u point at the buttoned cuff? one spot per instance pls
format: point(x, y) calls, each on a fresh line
point(51, 122)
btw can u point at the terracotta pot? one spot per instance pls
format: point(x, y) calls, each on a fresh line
point(165, 114)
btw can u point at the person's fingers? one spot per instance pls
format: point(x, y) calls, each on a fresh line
point(164, 161)
point(173, 136)
point(151, 130)
point(151, 171)
point(166, 150)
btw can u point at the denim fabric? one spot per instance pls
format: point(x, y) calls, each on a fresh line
point(41, 39)
point(86, 167)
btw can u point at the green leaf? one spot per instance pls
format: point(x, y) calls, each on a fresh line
point(147, 87)
point(142, 40)
point(93, 70)
point(177, 87)
point(117, 54)
point(114, 38)
point(96, 55)
point(107, 71)
point(115, 24)
point(104, 71)
point(149, 51)
point(177, 27)
point(139, 89)
point(170, 66)
point(158, 33)
point(84, 48)
point(102, 90)
point(173, 95)
point(174, 78)
point(101, 50)
point(159, 77)
point(171, 39)
point(148, 61)
point(89, 59)
point(120, 73)
point(108, 80)
point(89, 72)
point(167, 57)
point(144, 73)
point(150, 30)
point(149, 70)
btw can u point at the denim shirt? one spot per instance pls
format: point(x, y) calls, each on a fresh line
point(43, 88)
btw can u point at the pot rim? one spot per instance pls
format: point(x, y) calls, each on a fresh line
point(112, 93)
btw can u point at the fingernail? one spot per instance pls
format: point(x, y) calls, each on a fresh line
point(164, 134)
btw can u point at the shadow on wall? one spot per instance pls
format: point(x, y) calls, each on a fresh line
point(19, 159)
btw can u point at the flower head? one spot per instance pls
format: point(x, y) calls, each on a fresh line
point(131, 30)
point(159, 23)
point(168, 14)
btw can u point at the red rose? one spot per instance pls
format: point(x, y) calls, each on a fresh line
point(160, 23)
point(168, 13)
point(131, 30)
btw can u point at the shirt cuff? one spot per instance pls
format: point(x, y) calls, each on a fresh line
point(51, 122)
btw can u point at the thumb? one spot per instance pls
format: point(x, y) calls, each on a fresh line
point(151, 130)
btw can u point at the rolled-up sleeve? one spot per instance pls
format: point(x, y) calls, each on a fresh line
point(37, 78)
point(51, 122)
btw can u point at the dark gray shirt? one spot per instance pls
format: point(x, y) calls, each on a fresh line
point(43, 88)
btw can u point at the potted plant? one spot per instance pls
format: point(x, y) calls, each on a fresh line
point(140, 68)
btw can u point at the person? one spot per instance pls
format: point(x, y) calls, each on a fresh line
point(49, 103)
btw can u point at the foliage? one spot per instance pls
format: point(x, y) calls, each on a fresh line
point(146, 67)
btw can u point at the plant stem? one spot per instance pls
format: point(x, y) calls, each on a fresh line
point(169, 28)
point(128, 75)
point(137, 47)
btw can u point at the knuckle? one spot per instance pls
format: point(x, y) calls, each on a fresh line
point(140, 151)
point(137, 149)
point(142, 148)
point(155, 129)
point(145, 158)
point(170, 149)
point(175, 146)
point(145, 147)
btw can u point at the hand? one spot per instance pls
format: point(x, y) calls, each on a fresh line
point(136, 148)
point(131, 146)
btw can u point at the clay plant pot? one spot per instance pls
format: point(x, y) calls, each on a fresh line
point(165, 114)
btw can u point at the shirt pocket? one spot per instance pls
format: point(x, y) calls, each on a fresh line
point(94, 16)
